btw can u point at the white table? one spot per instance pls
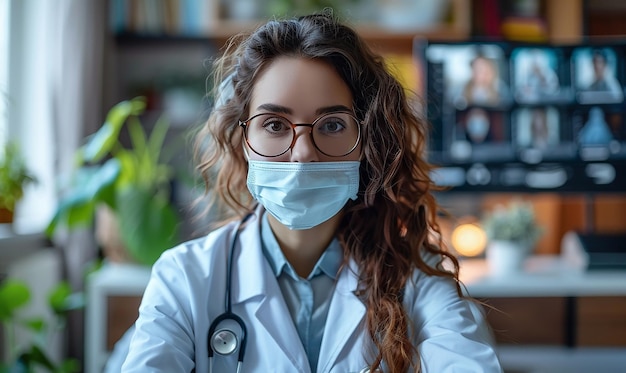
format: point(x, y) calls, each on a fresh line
point(543, 276)
point(550, 276)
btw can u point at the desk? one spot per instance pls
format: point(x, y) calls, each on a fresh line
point(542, 275)
point(547, 335)
point(553, 316)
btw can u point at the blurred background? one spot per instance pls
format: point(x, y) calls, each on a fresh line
point(85, 85)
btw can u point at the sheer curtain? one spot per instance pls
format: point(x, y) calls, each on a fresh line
point(55, 90)
point(56, 54)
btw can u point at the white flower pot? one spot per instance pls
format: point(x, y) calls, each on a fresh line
point(506, 257)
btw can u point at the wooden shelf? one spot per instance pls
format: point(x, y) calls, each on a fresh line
point(381, 39)
point(375, 34)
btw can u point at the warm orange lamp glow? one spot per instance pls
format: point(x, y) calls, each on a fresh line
point(469, 239)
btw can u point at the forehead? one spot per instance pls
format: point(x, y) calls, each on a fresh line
point(301, 85)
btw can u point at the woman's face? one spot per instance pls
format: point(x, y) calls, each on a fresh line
point(483, 71)
point(477, 125)
point(301, 90)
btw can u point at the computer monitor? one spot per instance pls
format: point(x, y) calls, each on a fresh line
point(514, 109)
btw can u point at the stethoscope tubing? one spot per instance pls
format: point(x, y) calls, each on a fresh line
point(228, 314)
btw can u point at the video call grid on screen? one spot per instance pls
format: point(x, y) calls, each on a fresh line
point(498, 101)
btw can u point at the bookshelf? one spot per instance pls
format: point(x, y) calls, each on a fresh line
point(164, 51)
point(218, 20)
point(197, 28)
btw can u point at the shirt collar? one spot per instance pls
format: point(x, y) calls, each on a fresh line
point(328, 263)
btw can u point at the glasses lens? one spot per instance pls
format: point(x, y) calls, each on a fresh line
point(269, 134)
point(336, 134)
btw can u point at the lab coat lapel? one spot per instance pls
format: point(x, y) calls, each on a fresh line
point(256, 283)
point(344, 318)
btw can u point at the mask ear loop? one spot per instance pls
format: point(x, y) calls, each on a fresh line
point(225, 91)
point(244, 147)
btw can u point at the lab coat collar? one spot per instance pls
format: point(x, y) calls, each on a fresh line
point(256, 289)
point(250, 267)
point(345, 319)
point(254, 272)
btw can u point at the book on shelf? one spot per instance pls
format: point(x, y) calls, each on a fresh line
point(162, 17)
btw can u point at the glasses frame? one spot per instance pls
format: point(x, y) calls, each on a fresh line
point(244, 124)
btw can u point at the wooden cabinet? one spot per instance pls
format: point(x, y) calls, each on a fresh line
point(552, 317)
point(113, 296)
point(121, 313)
point(600, 321)
point(532, 320)
point(586, 321)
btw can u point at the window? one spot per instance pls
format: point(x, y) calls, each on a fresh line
point(25, 116)
point(4, 62)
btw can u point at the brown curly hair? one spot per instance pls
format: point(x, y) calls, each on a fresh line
point(394, 217)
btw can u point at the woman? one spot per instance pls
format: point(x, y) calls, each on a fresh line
point(484, 87)
point(331, 262)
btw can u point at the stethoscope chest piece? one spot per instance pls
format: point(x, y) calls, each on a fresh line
point(224, 342)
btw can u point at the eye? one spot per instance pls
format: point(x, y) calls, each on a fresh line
point(332, 124)
point(275, 124)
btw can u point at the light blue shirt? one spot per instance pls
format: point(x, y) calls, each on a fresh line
point(307, 299)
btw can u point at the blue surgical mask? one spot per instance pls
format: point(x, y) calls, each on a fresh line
point(303, 195)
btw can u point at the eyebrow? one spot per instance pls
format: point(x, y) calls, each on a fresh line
point(279, 109)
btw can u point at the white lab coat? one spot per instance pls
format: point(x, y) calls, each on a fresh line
point(187, 291)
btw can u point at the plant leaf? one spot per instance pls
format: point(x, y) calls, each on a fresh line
point(148, 225)
point(92, 185)
point(36, 324)
point(157, 138)
point(102, 142)
point(5, 368)
point(61, 299)
point(38, 356)
point(129, 168)
point(69, 366)
point(57, 299)
point(13, 295)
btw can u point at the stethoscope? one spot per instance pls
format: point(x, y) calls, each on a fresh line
point(224, 341)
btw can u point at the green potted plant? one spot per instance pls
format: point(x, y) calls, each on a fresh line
point(512, 232)
point(132, 184)
point(30, 354)
point(14, 177)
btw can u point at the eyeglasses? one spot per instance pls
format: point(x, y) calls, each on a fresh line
point(334, 134)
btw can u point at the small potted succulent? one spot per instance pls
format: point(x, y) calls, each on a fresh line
point(512, 232)
point(14, 177)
